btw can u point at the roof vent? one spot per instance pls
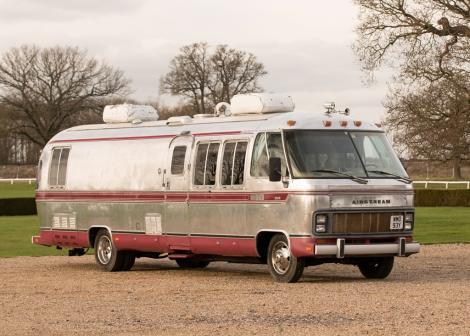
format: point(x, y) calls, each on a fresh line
point(261, 103)
point(179, 120)
point(125, 113)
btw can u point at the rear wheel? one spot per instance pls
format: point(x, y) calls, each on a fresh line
point(106, 254)
point(376, 268)
point(283, 266)
point(192, 263)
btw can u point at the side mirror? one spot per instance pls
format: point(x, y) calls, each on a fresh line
point(274, 169)
point(404, 163)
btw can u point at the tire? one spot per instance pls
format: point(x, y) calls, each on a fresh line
point(106, 254)
point(128, 261)
point(376, 268)
point(192, 263)
point(283, 266)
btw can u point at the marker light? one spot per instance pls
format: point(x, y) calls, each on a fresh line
point(343, 123)
point(327, 123)
point(379, 125)
point(291, 122)
point(357, 123)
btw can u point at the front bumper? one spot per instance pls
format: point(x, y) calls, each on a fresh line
point(341, 249)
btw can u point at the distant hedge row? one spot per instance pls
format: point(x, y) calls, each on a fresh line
point(437, 197)
point(17, 207)
point(424, 197)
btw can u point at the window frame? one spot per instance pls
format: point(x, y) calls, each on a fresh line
point(236, 141)
point(193, 166)
point(184, 160)
point(266, 133)
point(58, 186)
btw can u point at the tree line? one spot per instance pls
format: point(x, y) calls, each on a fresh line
point(425, 43)
point(46, 90)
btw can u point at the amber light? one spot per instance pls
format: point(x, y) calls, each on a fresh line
point(357, 123)
point(379, 125)
point(343, 123)
point(291, 122)
point(327, 123)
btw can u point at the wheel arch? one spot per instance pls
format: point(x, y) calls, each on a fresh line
point(93, 231)
point(263, 238)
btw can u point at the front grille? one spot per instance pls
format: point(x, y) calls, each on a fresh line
point(362, 222)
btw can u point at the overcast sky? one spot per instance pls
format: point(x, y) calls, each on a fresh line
point(304, 45)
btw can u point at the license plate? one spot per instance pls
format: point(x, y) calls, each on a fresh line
point(396, 223)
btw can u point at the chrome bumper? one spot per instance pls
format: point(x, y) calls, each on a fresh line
point(340, 250)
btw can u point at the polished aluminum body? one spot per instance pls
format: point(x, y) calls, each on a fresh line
point(118, 177)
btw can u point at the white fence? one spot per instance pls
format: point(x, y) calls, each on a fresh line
point(16, 180)
point(446, 183)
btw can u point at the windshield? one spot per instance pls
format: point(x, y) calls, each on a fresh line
point(321, 153)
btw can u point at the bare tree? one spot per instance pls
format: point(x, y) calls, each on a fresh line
point(433, 121)
point(207, 79)
point(44, 89)
point(422, 38)
point(189, 75)
point(233, 72)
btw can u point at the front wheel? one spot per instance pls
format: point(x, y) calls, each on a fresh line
point(376, 268)
point(283, 266)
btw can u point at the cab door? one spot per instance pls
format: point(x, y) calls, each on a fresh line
point(176, 183)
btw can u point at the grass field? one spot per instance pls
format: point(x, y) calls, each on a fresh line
point(17, 189)
point(433, 226)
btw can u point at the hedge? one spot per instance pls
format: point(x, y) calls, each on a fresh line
point(439, 197)
point(17, 206)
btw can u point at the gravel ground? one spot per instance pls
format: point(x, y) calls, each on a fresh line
point(426, 294)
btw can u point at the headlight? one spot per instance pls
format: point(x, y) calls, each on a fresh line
point(409, 217)
point(321, 222)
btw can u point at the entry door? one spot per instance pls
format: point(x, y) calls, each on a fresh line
point(176, 189)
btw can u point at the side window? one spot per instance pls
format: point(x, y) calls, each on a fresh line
point(266, 145)
point(177, 161)
point(233, 164)
point(206, 164)
point(58, 167)
point(259, 159)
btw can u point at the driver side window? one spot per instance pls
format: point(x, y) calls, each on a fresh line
point(266, 145)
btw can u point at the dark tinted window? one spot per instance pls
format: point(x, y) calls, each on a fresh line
point(177, 162)
point(211, 164)
point(200, 164)
point(58, 167)
point(239, 163)
point(267, 145)
point(227, 163)
point(64, 156)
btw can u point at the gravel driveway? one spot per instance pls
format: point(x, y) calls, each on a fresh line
point(426, 294)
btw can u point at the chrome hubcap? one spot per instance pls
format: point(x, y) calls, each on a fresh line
point(280, 257)
point(105, 250)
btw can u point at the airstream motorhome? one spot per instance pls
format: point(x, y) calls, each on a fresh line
point(254, 182)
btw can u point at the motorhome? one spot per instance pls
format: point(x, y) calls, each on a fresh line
point(255, 182)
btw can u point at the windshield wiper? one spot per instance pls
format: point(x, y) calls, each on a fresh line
point(398, 177)
point(352, 177)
